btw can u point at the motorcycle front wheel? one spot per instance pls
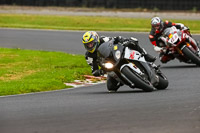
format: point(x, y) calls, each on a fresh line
point(191, 55)
point(138, 80)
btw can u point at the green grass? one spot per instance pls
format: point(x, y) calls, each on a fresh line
point(24, 71)
point(84, 23)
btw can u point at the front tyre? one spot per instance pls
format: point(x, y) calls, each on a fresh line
point(138, 81)
point(191, 55)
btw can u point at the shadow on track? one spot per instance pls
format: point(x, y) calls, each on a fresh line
point(118, 92)
point(180, 66)
point(136, 91)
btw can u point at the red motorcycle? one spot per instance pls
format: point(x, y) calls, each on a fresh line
point(176, 43)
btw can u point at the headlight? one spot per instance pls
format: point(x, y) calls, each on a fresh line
point(117, 54)
point(108, 65)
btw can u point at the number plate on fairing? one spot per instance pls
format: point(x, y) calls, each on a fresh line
point(173, 38)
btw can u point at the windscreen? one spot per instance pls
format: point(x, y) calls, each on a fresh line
point(104, 49)
point(170, 30)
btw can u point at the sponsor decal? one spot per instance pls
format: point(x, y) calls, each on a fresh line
point(132, 55)
point(115, 47)
point(170, 35)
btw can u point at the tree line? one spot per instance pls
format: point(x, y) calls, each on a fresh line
point(149, 4)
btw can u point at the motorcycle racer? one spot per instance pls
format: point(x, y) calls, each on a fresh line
point(92, 41)
point(158, 26)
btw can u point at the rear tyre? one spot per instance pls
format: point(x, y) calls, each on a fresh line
point(138, 81)
point(163, 82)
point(191, 55)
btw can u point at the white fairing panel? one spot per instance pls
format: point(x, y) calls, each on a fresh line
point(133, 55)
point(174, 38)
point(130, 65)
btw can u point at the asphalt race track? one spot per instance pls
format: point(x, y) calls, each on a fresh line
point(92, 109)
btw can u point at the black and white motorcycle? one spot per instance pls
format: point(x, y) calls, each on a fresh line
point(129, 67)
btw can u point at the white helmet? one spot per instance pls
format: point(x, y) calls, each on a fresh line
point(157, 23)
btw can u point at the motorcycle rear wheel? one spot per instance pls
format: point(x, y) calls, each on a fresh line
point(163, 82)
point(138, 81)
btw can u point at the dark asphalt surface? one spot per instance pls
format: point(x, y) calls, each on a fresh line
point(92, 109)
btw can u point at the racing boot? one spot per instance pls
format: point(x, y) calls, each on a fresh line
point(147, 56)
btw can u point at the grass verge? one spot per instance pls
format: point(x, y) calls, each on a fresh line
point(25, 71)
point(84, 23)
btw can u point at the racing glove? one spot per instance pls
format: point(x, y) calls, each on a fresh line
point(130, 43)
point(98, 72)
point(158, 49)
point(119, 39)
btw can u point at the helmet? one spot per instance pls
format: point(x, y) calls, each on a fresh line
point(157, 23)
point(90, 40)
